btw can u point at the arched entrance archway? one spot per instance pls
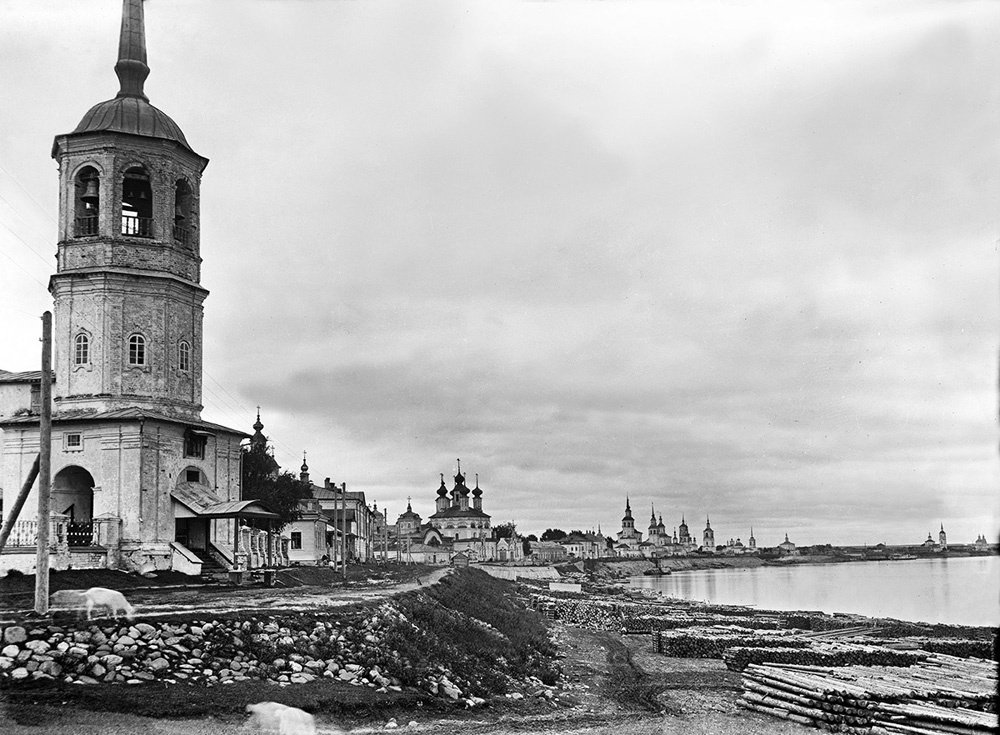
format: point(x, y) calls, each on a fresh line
point(73, 496)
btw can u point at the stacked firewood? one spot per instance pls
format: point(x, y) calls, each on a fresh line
point(819, 653)
point(714, 642)
point(942, 694)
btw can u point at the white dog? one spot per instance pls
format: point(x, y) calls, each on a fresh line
point(272, 717)
point(111, 599)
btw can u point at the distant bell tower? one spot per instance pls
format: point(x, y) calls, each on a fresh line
point(127, 293)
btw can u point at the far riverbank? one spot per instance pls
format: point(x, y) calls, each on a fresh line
point(956, 590)
point(609, 569)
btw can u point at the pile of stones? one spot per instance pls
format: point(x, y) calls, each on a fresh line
point(217, 652)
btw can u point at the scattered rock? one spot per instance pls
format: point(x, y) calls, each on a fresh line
point(15, 634)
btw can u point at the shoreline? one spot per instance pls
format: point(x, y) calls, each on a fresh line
point(916, 592)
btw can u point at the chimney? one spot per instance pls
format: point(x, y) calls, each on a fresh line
point(326, 483)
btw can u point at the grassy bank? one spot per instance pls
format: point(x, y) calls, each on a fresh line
point(466, 636)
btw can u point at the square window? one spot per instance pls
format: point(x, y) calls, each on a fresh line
point(296, 539)
point(73, 441)
point(194, 476)
point(194, 445)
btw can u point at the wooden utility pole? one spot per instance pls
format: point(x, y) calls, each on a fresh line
point(343, 530)
point(44, 472)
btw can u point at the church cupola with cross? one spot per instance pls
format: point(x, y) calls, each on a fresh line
point(127, 293)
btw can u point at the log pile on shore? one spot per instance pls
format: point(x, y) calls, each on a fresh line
point(740, 648)
point(942, 694)
point(821, 653)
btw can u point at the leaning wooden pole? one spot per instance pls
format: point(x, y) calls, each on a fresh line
point(15, 510)
point(44, 472)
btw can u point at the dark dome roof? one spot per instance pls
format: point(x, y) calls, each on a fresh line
point(132, 115)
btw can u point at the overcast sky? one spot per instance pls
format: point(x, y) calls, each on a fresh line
point(732, 259)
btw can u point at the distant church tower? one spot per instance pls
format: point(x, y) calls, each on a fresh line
point(709, 536)
point(441, 504)
point(628, 522)
point(943, 538)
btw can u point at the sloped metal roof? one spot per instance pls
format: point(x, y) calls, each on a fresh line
point(202, 502)
point(121, 414)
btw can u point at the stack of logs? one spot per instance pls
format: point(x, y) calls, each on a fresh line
point(942, 694)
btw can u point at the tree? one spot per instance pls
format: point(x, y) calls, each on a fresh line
point(531, 537)
point(526, 545)
point(264, 481)
point(553, 534)
point(505, 530)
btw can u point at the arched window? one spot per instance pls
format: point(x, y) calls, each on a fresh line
point(136, 350)
point(81, 349)
point(87, 198)
point(183, 223)
point(184, 356)
point(137, 204)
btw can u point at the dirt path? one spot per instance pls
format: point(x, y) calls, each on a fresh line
point(152, 602)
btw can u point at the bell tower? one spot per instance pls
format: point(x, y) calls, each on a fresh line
point(128, 300)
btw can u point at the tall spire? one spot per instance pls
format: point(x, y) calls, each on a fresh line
point(131, 67)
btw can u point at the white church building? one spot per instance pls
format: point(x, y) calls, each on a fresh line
point(139, 480)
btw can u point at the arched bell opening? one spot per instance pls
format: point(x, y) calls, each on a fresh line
point(73, 496)
point(86, 201)
point(183, 214)
point(137, 204)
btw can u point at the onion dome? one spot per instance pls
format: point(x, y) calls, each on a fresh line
point(130, 112)
point(459, 478)
point(258, 438)
point(476, 491)
point(442, 491)
point(305, 467)
point(659, 526)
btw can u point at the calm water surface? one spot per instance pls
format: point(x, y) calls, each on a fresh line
point(961, 591)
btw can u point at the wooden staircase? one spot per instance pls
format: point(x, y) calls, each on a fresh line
point(210, 568)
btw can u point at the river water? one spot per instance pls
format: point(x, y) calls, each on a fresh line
point(960, 591)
